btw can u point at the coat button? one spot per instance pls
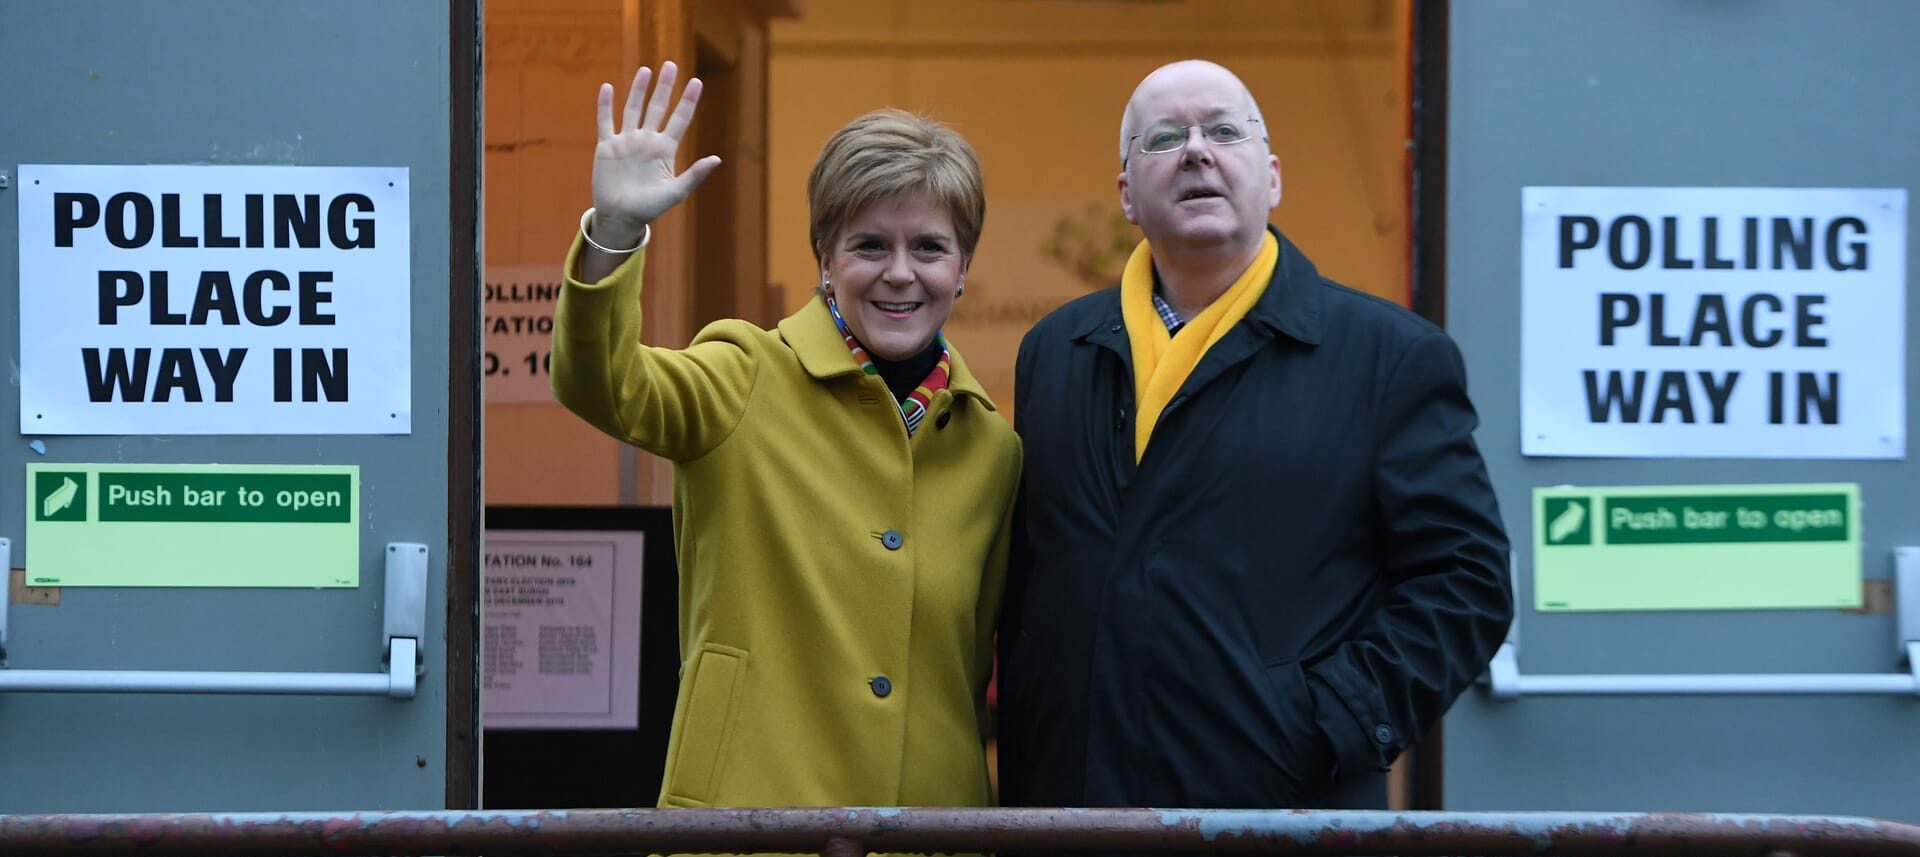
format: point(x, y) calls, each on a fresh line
point(892, 540)
point(881, 686)
point(945, 417)
point(1116, 328)
point(1383, 733)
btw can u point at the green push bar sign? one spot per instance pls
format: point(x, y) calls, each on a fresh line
point(195, 525)
point(1701, 547)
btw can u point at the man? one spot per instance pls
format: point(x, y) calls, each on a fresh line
point(1255, 558)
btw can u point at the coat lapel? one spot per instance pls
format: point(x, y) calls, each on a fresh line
point(817, 342)
point(1289, 307)
point(1108, 330)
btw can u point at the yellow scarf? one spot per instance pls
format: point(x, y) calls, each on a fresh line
point(1161, 363)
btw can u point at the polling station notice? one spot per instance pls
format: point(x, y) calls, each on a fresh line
point(561, 619)
point(193, 525)
point(214, 300)
point(1713, 322)
point(517, 316)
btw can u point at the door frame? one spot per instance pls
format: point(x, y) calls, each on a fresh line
point(464, 405)
point(1428, 270)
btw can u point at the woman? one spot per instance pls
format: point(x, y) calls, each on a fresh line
point(842, 485)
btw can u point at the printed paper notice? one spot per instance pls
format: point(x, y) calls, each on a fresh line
point(1713, 322)
point(561, 646)
point(165, 299)
point(518, 315)
point(193, 525)
point(1697, 547)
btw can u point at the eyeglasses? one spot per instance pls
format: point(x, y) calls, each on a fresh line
point(1164, 137)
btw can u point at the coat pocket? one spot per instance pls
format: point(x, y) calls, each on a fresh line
point(1305, 756)
point(705, 721)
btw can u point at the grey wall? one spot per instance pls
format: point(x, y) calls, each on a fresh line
point(357, 83)
point(1766, 93)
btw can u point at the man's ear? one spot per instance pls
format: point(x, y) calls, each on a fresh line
point(1126, 198)
point(1273, 194)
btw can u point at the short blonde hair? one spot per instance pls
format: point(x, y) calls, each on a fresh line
point(889, 153)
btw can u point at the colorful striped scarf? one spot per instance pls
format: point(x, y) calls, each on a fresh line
point(913, 408)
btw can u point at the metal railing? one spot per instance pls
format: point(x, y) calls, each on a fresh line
point(849, 832)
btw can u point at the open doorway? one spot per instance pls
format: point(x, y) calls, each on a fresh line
point(1036, 85)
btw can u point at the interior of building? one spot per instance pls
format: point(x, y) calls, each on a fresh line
point(1037, 87)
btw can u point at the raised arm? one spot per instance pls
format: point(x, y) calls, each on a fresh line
point(674, 403)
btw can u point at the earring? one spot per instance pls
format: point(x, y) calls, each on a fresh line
point(826, 285)
point(963, 288)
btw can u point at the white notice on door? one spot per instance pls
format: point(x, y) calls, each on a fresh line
point(1713, 322)
point(561, 630)
point(168, 299)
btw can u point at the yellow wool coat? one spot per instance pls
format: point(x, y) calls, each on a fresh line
point(838, 580)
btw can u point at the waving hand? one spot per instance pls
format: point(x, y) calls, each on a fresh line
point(633, 169)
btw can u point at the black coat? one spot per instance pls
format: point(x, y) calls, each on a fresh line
point(1303, 572)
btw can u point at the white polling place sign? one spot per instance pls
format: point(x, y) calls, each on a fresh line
point(1713, 322)
point(214, 300)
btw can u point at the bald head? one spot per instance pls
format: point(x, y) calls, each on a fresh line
point(1183, 76)
point(1203, 201)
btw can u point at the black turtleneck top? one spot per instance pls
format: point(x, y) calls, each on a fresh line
point(902, 376)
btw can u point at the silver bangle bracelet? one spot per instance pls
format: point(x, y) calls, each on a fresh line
point(646, 233)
